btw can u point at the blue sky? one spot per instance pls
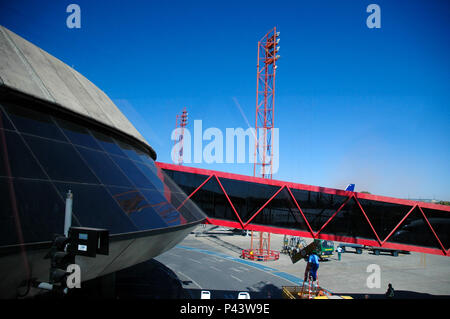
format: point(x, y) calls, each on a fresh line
point(353, 104)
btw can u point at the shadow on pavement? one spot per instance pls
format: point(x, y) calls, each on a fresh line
point(398, 294)
point(148, 280)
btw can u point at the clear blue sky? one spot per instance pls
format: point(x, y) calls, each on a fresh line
point(353, 104)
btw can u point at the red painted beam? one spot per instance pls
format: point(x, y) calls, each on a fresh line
point(295, 232)
point(350, 195)
point(291, 185)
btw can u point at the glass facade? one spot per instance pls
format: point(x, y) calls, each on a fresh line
point(115, 182)
point(319, 209)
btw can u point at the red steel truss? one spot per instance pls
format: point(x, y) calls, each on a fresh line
point(379, 242)
point(265, 102)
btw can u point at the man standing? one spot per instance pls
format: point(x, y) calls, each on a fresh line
point(312, 266)
point(339, 251)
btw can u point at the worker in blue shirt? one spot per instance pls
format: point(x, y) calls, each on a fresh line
point(312, 267)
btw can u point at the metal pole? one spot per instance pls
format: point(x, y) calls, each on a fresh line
point(68, 213)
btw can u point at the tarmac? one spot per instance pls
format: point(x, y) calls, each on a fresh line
point(414, 275)
point(209, 258)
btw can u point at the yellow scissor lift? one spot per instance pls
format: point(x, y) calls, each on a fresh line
point(308, 290)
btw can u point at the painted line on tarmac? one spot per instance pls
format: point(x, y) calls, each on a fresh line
point(242, 261)
point(270, 270)
point(196, 261)
point(216, 269)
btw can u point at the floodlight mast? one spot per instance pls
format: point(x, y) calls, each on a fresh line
point(264, 120)
point(265, 103)
point(181, 123)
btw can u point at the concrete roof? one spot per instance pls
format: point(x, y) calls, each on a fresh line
point(29, 69)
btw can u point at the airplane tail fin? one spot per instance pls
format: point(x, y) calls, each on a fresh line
point(350, 187)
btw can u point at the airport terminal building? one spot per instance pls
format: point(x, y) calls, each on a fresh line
point(60, 133)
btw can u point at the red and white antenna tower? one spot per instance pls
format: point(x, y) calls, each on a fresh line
point(181, 123)
point(265, 102)
point(265, 107)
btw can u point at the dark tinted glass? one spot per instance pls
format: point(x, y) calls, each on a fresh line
point(4, 122)
point(190, 211)
point(138, 209)
point(129, 151)
point(146, 159)
point(107, 143)
point(249, 197)
point(16, 159)
point(349, 222)
point(383, 216)
point(163, 207)
point(132, 172)
point(39, 214)
point(151, 176)
point(281, 212)
point(32, 122)
point(318, 207)
point(440, 221)
point(94, 207)
point(415, 230)
point(77, 134)
point(213, 202)
point(104, 168)
point(188, 182)
point(60, 160)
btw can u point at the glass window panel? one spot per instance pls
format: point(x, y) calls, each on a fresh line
point(16, 159)
point(414, 230)
point(132, 172)
point(163, 182)
point(138, 209)
point(162, 176)
point(211, 199)
point(440, 221)
point(164, 207)
point(129, 151)
point(151, 176)
point(189, 182)
point(384, 216)
point(349, 222)
point(33, 122)
point(107, 143)
point(255, 195)
point(4, 122)
point(281, 212)
point(94, 207)
point(172, 193)
point(191, 212)
point(317, 207)
point(60, 160)
point(104, 168)
point(39, 215)
point(77, 134)
point(147, 159)
point(141, 154)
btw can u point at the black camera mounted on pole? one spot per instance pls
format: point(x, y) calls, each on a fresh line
point(76, 241)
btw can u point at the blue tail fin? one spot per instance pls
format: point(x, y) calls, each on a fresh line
point(350, 187)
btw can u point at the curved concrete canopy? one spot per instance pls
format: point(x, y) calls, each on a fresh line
point(27, 68)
